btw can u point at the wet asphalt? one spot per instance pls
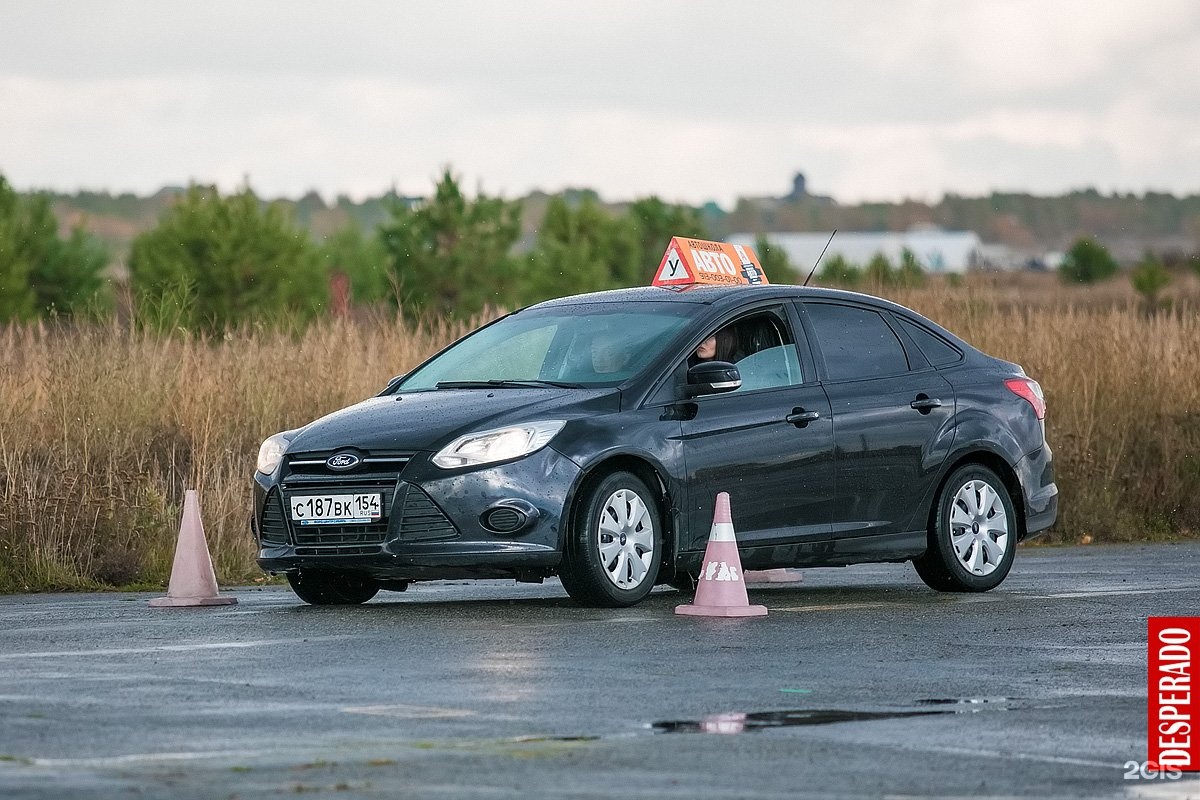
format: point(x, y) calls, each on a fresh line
point(860, 683)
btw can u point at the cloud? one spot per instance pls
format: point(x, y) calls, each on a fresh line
point(688, 100)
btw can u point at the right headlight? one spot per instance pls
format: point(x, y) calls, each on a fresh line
point(271, 453)
point(500, 444)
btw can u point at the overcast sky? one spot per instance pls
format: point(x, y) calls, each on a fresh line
point(688, 100)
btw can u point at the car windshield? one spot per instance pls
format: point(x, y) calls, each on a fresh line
point(595, 344)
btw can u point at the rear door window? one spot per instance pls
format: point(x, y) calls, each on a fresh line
point(936, 349)
point(855, 342)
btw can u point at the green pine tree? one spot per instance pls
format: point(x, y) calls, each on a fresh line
point(215, 261)
point(450, 255)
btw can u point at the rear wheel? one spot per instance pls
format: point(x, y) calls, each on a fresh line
point(332, 588)
point(615, 544)
point(973, 536)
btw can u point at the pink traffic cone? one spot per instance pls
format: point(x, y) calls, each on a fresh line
point(193, 581)
point(720, 589)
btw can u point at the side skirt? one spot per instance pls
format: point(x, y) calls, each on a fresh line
point(828, 553)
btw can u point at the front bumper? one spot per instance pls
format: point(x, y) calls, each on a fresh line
point(431, 526)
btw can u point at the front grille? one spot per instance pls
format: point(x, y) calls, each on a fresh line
point(274, 529)
point(421, 520)
point(418, 518)
point(340, 539)
point(341, 534)
point(337, 551)
point(376, 463)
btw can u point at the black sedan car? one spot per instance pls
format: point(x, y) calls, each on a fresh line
point(588, 437)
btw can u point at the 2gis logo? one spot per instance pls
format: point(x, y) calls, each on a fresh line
point(1171, 740)
point(1148, 771)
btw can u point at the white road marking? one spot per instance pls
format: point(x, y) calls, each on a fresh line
point(1003, 756)
point(139, 758)
point(1107, 593)
point(995, 598)
point(410, 712)
point(166, 648)
point(836, 607)
point(1103, 647)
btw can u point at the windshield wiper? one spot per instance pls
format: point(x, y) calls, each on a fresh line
point(505, 384)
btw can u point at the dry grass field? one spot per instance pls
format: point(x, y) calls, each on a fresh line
point(105, 426)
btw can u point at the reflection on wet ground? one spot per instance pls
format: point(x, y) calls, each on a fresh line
point(751, 722)
point(965, 701)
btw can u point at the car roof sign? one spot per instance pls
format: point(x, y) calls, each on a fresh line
point(691, 262)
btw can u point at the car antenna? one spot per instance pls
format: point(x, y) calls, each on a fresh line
point(818, 261)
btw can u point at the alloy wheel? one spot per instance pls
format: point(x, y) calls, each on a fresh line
point(979, 527)
point(626, 540)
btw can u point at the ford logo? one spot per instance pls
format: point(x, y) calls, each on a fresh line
point(342, 461)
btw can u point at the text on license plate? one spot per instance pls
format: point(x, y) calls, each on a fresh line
point(336, 509)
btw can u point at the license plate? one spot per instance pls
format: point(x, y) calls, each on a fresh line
point(336, 509)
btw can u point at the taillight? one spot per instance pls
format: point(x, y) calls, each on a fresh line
point(1031, 391)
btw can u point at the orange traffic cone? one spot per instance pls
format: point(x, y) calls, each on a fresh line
point(193, 581)
point(720, 589)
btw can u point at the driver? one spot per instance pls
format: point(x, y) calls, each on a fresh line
point(708, 350)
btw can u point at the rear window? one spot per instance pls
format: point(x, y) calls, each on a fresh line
point(936, 349)
point(856, 342)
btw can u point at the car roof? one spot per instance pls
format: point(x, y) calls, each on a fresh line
point(719, 296)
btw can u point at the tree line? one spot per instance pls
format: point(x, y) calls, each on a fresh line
point(214, 261)
point(42, 272)
point(1015, 219)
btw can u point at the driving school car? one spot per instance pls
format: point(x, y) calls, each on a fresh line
point(584, 437)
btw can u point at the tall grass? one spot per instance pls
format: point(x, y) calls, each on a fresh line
point(1123, 403)
point(103, 427)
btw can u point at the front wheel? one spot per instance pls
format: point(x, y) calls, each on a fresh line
point(332, 588)
point(973, 535)
point(615, 543)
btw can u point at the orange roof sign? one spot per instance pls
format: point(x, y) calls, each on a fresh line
point(689, 262)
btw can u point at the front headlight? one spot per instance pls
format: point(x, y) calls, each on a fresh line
point(500, 444)
point(271, 453)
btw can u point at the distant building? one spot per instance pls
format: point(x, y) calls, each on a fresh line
point(799, 194)
point(935, 250)
point(799, 188)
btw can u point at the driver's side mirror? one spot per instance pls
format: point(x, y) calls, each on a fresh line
point(712, 377)
point(391, 385)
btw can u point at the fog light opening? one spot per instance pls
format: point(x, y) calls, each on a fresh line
point(508, 516)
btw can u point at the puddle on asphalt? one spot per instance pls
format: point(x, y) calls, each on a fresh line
point(751, 722)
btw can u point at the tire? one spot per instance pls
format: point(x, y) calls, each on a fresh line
point(330, 588)
point(972, 535)
point(614, 545)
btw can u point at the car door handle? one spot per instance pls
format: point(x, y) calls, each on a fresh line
point(924, 403)
point(800, 418)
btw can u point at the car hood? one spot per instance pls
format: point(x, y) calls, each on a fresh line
point(429, 420)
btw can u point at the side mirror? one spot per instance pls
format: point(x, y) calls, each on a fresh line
point(391, 385)
point(712, 377)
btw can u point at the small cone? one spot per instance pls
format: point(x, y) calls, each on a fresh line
point(720, 589)
point(777, 576)
point(193, 581)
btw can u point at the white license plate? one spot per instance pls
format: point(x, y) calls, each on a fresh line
point(336, 509)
